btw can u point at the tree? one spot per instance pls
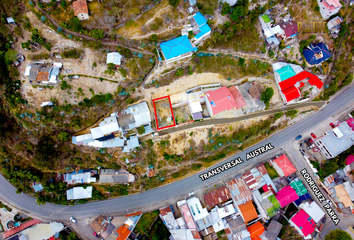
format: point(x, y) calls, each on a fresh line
point(64, 136)
point(278, 115)
point(63, 4)
point(267, 95)
point(154, 38)
point(97, 33)
point(226, 9)
point(36, 37)
point(237, 12)
point(141, 130)
point(338, 234)
point(174, 3)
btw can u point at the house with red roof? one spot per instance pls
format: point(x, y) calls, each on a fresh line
point(290, 29)
point(256, 230)
point(220, 100)
point(240, 101)
point(303, 223)
point(329, 7)
point(81, 9)
point(286, 195)
point(283, 166)
point(292, 79)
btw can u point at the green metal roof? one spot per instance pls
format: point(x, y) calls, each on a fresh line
point(299, 187)
point(266, 18)
point(273, 210)
point(286, 72)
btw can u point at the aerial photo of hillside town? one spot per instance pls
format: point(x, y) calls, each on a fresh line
point(176, 119)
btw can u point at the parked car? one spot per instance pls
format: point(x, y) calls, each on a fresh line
point(315, 150)
point(191, 193)
point(313, 135)
point(95, 234)
point(73, 220)
point(301, 144)
point(298, 137)
point(332, 125)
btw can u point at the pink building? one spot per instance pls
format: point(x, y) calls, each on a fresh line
point(329, 7)
point(303, 223)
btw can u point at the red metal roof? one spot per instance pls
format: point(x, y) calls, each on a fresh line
point(304, 222)
point(286, 196)
point(290, 28)
point(164, 211)
point(240, 101)
point(288, 86)
point(291, 93)
point(256, 230)
point(123, 232)
point(220, 100)
point(262, 169)
point(21, 227)
point(349, 159)
point(286, 166)
point(350, 122)
point(239, 190)
point(217, 196)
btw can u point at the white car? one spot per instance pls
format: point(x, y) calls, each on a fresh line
point(73, 220)
point(191, 193)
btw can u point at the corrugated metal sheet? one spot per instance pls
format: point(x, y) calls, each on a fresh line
point(253, 179)
point(217, 196)
point(239, 191)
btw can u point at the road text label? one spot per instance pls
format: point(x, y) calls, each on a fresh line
point(259, 151)
point(221, 168)
point(335, 219)
point(315, 189)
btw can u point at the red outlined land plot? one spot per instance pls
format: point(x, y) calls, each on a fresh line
point(163, 113)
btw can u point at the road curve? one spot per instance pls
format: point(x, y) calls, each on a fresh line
point(162, 194)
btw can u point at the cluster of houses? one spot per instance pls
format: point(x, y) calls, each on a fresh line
point(243, 207)
point(116, 130)
point(213, 100)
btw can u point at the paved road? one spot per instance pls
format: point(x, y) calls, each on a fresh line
point(215, 121)
point(160, 195)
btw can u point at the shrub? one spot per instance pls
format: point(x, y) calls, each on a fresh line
point(97, 33)
point(278, 115)
point(291, 113)
point(64, 85)
point(63, 4)
point(64, 136)
point(72, 53)
point(179, 72)
point(174, 3)
point(141, 130)
point(123, 72)
point(94, 64)
point(267, 95)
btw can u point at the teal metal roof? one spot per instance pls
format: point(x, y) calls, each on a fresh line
point(286, 72)
point(177, 47)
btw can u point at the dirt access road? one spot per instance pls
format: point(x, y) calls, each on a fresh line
point(105, 42)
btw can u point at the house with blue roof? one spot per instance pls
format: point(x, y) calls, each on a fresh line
point(316, 53)
point(200, 27)
point(177, 49)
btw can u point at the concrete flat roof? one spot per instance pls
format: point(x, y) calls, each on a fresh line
point(337, 145)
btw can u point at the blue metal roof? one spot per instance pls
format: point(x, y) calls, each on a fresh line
point(203, 30)
point(177, 47)
point(200, 19)
point(192, 2)
point(316, 48)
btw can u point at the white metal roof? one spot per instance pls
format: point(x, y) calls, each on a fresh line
point(196, 107)
point(79, 193)
point(114, 57)
point(314, 211)
point(271, 31)
point(338, 132)
point(27, 71)
point(42, 231)
point(198, 212)
point(350, 190)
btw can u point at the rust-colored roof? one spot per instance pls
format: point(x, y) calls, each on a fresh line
point(248, 211)
point(99, 224)
point(195, 234)
point(42, 76)
point(151, 173)
point(165, 210)
point(123, 233)
point(262, 169)
point(217, 196)
point(80, 6)
point(256, 90)
point(134, 160)
point(251, 181)
point(15, 230)
point(133, 214)
point(239, 191)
